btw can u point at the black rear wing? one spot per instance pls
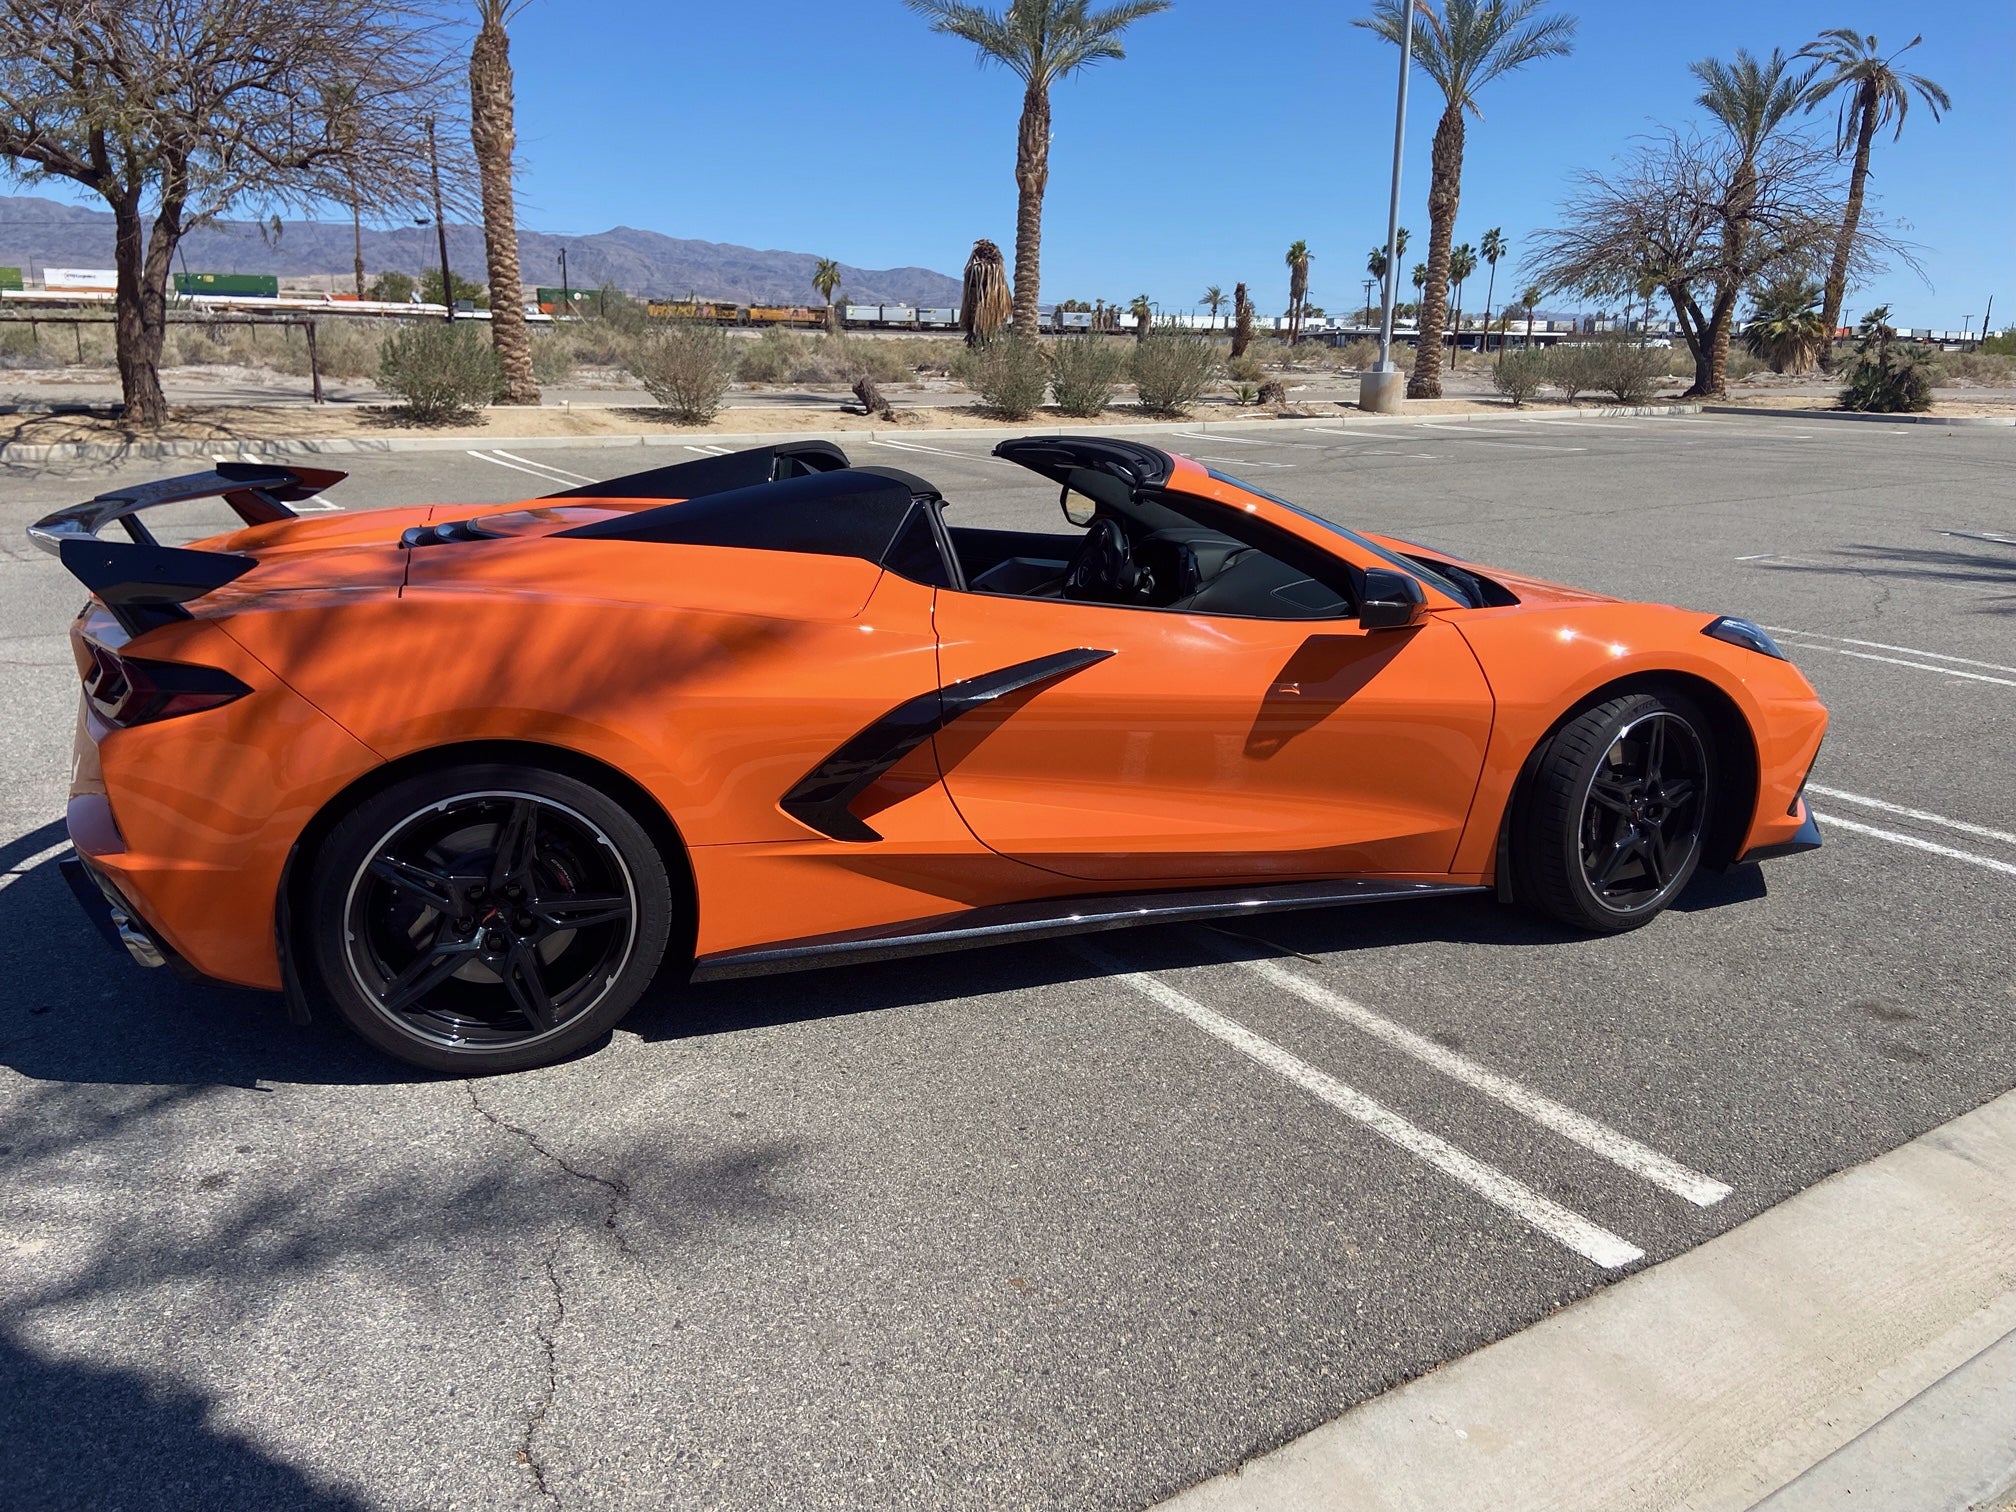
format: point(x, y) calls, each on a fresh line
point(258, 491)
point(145, 584)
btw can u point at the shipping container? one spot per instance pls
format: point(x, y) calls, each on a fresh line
point(80, 280)
point(234, 285)
point(10, 278)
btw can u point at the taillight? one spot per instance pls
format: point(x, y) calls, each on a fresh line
point(129, 690)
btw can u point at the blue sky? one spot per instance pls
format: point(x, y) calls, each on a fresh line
point(1232, 128)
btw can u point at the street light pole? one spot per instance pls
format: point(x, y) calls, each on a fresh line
point(1378, 389)
point(440, 226)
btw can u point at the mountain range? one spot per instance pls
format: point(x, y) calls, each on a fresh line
point(36, 233)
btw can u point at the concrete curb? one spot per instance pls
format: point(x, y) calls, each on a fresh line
point(1807, 414)
point(101, 451)
point(1720, 1377)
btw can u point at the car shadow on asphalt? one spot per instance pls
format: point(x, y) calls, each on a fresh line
point(764, 1002)
point(80, 1012)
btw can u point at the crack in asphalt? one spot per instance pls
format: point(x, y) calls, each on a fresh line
point(546, 1334)
point(618, 1190)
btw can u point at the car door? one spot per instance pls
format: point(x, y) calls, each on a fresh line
point(1207, 746)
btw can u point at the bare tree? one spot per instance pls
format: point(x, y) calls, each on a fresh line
point(184, 110)
point(1665, 213)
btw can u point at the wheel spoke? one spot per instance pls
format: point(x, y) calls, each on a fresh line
point(516, 839)
point(1655, 748)
point(1611, 793)
point(1679, 793)
point(521, 978)
point(1620, 852)
point(580, 912)
point(431, 888)
point(1653, 848)
point(424, 973)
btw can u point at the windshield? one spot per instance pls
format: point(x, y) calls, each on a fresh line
point(1391, 558)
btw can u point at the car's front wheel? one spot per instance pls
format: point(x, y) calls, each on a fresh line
point(1609, 829)
point(487, 918)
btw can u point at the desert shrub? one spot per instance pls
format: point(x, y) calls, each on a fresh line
point(21, 348)
point(1518, 375)
point(597, 343)
point(1679, 361)
point(1172, 367)
point(438, 369)
point(1742, 365)
point(196, 346)
point(552, 359)
point(774, 357)
point(347, 348)
point(851, 358)
point(1359, 354)
point(686, 365)
point(1245, 368)
point(1269, 352)
point(932, 353)
point(1571, 367)
point(1084, 372)
point(1889, 376)
point(1009, 374)
point(1979, 367)
point(2001, 344)
point(1624, 370)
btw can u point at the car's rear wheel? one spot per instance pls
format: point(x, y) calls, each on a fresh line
point(487, 918)
point(1609, 830)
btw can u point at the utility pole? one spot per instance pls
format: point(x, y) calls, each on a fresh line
point(440, 226)
point(1380, 389)
point(566, 299)
point(1368, 300)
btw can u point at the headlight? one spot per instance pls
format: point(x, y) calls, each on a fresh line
point(1741, 632)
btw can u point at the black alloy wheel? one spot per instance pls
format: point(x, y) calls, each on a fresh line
point(1609, 828)
point(469, 924)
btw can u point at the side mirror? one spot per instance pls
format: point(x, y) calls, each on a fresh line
point(1390, 600)
point(1083, 514)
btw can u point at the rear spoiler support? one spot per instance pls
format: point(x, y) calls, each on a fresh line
point(258, 491)
point(145, 584)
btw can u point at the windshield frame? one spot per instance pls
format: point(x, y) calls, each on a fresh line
point(1385, 553)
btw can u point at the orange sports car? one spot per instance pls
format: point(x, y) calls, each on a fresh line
point(472, 777)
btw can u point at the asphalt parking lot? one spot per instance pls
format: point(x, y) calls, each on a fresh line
point(1042, 1225)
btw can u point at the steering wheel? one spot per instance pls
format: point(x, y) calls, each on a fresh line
point(1104, 567)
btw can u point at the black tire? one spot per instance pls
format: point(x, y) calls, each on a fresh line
point(486, 918)
point(1609, 828)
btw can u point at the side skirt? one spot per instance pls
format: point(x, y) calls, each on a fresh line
point(1049, 918)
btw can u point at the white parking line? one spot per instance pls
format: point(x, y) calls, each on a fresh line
point(1989, 536)
point(546, 466)
point(1949, 852)
point(1849, 640)
point(21, 869)
point(939, 451)
point(1569, 1229)
point(1533, 446)
point(544, 477)
point(1242, 462)
point(1911, 813)
point(314, 504)
point(1598, 1138)
point(709, 451)
point(1898, 661)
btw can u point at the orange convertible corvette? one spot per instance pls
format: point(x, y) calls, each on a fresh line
point(473, 777)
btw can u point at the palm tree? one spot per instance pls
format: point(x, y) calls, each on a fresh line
point(1214, 300)
point(1298, 288)
point(1143, 311)
point(1040, 42)
point(1463, 46)
point(1531, 297)
point(493, 132)
point(1784, 328)
point(1375, 261)
point(1875, 92)
point(1751, 98)
point(1462, 263)
point(825, 280)
point(1494, 248)
point(983, 300)
point(1242, 320)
